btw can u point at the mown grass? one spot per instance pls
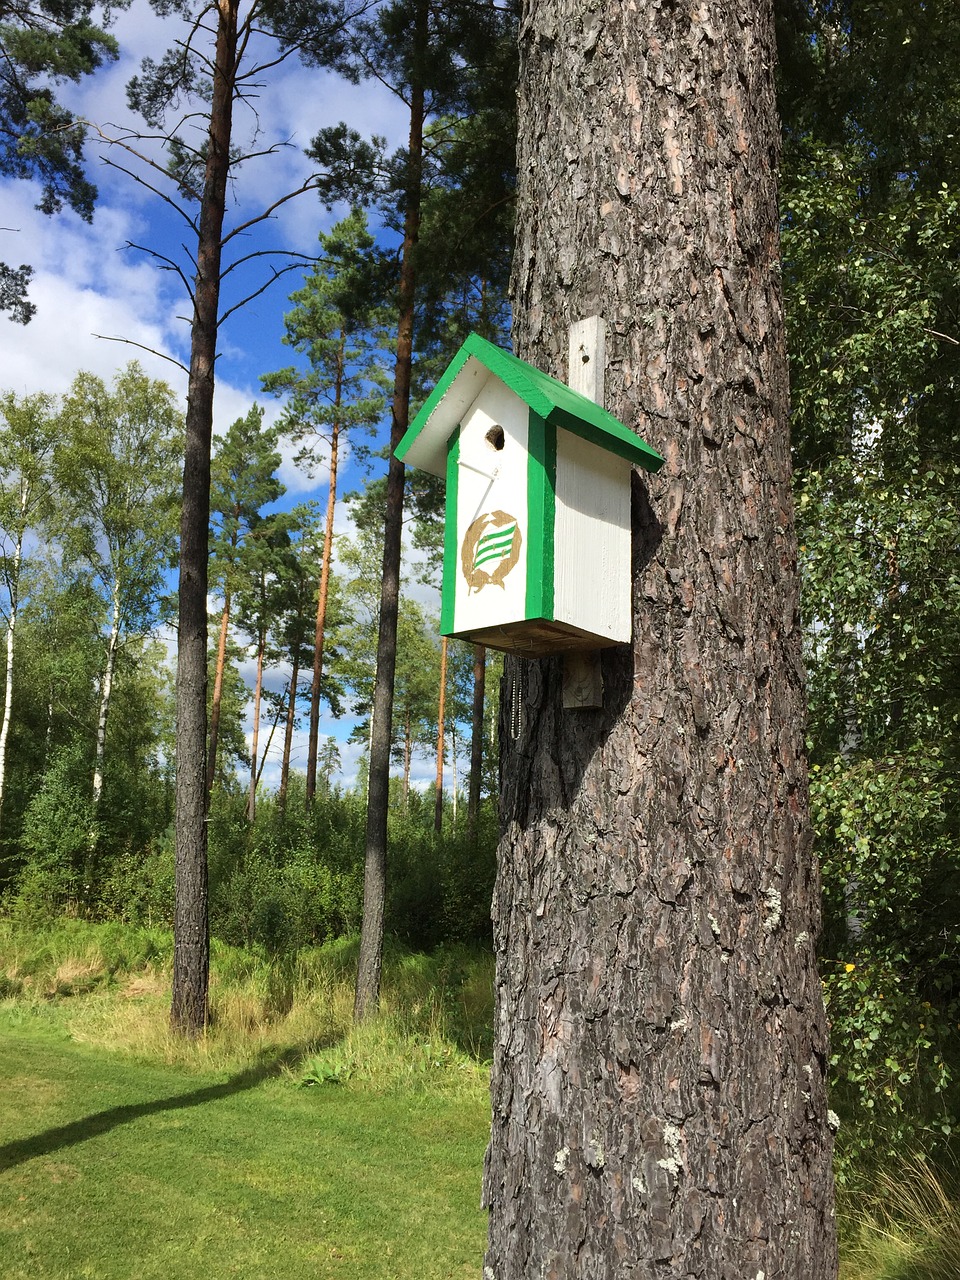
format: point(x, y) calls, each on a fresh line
point(126, 1153)
point(286, 1142)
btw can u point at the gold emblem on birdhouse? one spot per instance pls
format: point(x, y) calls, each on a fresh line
point(490, 549)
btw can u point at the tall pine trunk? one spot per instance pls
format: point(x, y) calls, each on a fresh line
point(324, 588)
point(476, 739)
point(288, 729)
point(370, 962)
point(257, 692)
point(658, 1085)
point(441, 715)
point(217, 699)
point(191, 950)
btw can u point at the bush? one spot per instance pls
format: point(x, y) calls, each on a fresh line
point(57, 842)
point(891, 1078)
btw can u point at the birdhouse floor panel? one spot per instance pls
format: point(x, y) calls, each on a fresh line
point(536, 638)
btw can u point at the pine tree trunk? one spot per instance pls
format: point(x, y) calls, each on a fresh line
point(323, 592)
point(370, 960)
point(217, 698)
point(258, 690)
point(441, 714)
point(659, 1076)
point(476, 739)
point(288, 730)
point(191, 953)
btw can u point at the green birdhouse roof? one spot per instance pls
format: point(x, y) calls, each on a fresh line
point(425, 443)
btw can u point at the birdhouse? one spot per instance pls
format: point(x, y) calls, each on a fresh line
point(537, 526)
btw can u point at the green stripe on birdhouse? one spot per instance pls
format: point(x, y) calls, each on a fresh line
point(424, 444)
point(494, 546)
point(538, 519)
point(450, 533)
point(541, 516)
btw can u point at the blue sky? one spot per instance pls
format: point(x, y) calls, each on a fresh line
point(88, 283)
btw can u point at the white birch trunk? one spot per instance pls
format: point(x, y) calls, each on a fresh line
point(105, 691)
point(8, 686)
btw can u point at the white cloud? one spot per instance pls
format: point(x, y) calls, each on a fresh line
point(87, 282)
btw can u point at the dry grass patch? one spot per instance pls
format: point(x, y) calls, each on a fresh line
point(908, 1228)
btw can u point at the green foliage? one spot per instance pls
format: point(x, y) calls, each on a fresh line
point(891, 1082)
point(44, 43)
point(871, 241)
point(117, 470)
point(243, 482)
point(290, 880)
point(59, 830)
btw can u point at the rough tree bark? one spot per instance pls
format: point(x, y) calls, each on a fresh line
point(191, 949)
point(658, 1086)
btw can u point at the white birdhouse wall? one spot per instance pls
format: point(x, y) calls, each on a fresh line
point(487, 513)
point(592, 539)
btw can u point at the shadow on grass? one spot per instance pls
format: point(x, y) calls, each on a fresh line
point(68, 1135)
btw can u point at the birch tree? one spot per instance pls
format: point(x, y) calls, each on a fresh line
point(116, 468)
point(30, 431)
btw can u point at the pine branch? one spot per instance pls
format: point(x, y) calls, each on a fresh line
point(162, 195)
point(257, 292)
point(301, 258)
point(311, 184)
point(169, 264)
point(107, 337)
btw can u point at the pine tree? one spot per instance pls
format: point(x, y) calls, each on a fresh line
point(339, 329)
point(44, 44)
point(658, 1088)
point(243, 482)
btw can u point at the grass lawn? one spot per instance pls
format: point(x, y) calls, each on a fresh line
point(110, 1167)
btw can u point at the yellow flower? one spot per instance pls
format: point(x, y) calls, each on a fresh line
point(849, 967)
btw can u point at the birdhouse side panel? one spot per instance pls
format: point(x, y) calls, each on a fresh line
point(485, 560)
point(592, 540)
